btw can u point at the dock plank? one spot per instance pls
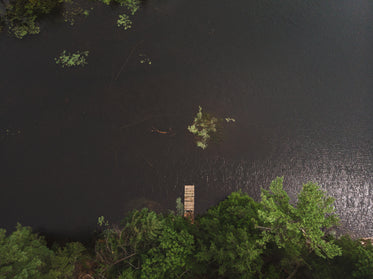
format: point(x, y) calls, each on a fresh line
point(189, 202)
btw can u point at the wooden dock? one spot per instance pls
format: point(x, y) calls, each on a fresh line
point(189, 202)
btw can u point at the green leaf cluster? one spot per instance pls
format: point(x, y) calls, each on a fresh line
point(300, 229)
point(22, 254)
point(302, 225)
point(203, 127)
point(67, 59)
point(179, 207)
point(227, 239)
point(124, 22)
point(147, 245)
point(25, 255)
point(21, 16)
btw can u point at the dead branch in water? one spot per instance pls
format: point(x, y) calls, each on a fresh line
point(127, 59)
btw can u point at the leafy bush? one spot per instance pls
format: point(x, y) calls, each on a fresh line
point(67, 59)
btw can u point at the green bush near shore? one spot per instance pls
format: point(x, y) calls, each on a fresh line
point(238, 238)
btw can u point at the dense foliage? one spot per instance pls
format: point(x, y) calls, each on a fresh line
point(24, 255)
point(147, 245)
point(67, 59)
point(238, 238)
point(20, 17)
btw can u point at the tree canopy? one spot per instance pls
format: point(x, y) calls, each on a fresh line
point(237, 238)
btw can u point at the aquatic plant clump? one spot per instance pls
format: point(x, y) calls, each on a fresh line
point(203, 127)
point(67, 59)
point(28, 28)
point(124, 22)
point(144, 59)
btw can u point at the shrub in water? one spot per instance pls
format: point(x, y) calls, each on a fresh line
point(205, 126)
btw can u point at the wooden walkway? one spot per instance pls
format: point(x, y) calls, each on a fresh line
point(189, 202)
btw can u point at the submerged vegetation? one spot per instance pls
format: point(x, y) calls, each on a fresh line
point(144, 59)
point(205, 126)
point(67, 59)
point(124, 22)
point(238, 238)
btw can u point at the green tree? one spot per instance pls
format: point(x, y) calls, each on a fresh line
point(147, 245)
point(357, 258)
point(227, 239)
point(297, 230)
point(25, 255)
point(22, 254)
point(62, 262)
point(171, 256)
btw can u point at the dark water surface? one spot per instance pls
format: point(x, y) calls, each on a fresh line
point(296, 75)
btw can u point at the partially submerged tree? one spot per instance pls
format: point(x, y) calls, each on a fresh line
point(205, 126)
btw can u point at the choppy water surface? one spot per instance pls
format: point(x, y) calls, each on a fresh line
point(296, 75)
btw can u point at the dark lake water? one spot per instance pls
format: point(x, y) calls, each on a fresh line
point(296, 75)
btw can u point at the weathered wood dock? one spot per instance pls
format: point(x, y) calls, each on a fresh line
point(189, 202)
